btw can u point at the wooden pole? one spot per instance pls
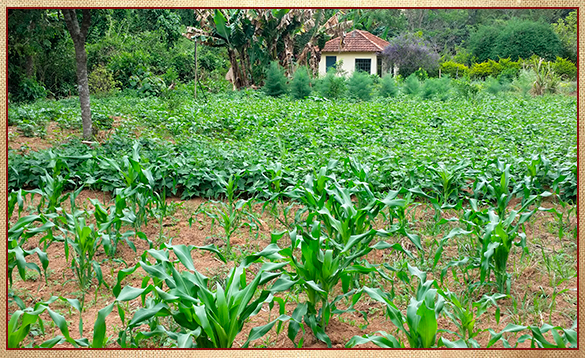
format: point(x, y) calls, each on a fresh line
point(195, 55)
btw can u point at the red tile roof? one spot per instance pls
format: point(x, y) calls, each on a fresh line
point(356, 41)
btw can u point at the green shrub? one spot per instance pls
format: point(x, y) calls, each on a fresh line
point(300, 86)
point(388, 87)
point(411, 85)
point(523, 83)
point(360, 86)
point(465, 88)
point(522, 39)
point(438, 88)
point(101, 81)
point(127, 64)
point(331, 86)
point(566, 30)
point(454, 69)
point(275, 84)
point(421, 74)
point(482, 42)
point(565, 68)
point(493, 86)
point(29, 90)
point(147, 84)
point(485, 69)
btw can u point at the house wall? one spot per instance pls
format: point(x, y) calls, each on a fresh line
point(348, 59)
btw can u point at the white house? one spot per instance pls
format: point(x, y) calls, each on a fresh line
point(359, 50)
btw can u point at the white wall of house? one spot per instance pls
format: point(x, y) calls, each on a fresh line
point(348, 59)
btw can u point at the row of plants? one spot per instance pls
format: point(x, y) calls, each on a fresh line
point(255, 136)
point(323, 249)
point(534, 76)
point(564, 68)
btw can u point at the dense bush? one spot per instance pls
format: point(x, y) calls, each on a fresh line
point(465, 88)
point(388, 86)
point(410, 52)
point(411, 85)
point(438, 88)
point(566, 30)
point(101, 81)
point(485, 69)
point(300, 86)
point(29, 90)
point(454, 69)
point(565, 68)
point(331, 86)
point(275, 84)
point(359, 86)
point(147, 83)
point(482, 41)
point(518, 39)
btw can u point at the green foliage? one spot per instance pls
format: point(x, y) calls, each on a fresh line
point(300, 86)
point(101, 81)
point(565, 69)
point(388, 87)
point(206, 318)
point(421, 318)
point(276, 82)
point(547, 80)
point(411, 85)
point(524, 82)
point(230, 215)
point(566, 30)
point(101, 121)
point(332, 86)
point(493, 86)
point(147, 84)
point(439, 88)
point(29, 90)
point(359, 86)
point(517, 39)
point(489, 68)
point(453, 69)
point(482, 42)
point(465, 88)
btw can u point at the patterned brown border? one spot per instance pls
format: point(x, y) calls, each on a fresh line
point(287, 353)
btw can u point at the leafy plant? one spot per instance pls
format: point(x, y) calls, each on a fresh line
point(421, 317)
point(276, 83)
point(230, 215)
point(207, 318)
point(300, 86)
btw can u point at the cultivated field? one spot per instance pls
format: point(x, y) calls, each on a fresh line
point(242, 220)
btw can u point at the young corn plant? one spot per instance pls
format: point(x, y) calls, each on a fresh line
point(232, 214)
point(317, 264)
point(464, 313)
point(446, 182)
point(22, 321)
point(110, 224)
point(82, 241)
point(537, 336)
point(421, 317)
point(207, 318)
point(18, 235)
point(498, 237)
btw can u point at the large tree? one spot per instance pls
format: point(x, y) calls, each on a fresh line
point(79, 34)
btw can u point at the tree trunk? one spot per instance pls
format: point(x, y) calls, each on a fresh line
point(78, 35)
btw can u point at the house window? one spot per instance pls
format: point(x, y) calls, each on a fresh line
point(363, 64)
point(330, 62)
